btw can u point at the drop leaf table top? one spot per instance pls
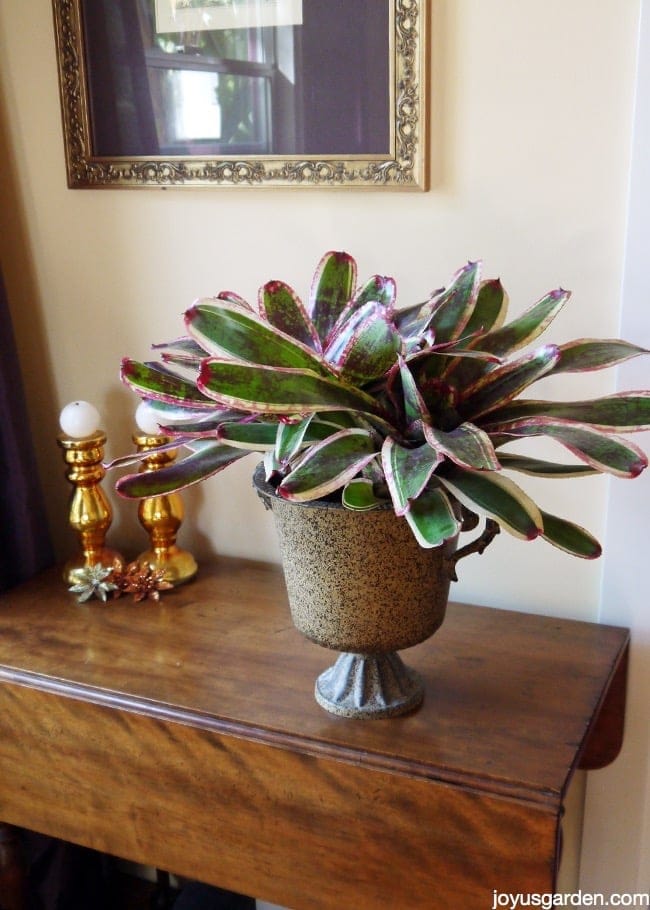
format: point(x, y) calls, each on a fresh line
point(184, 734)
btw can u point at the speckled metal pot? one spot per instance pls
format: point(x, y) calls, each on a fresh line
point(358, 581)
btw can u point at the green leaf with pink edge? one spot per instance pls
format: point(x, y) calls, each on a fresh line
point(412, 321)
point(284, 310)
point(489, 314)
point(208, 458)
point(506, 382)
point(494, 496)
point(232, 297)
point(332, 287)
point(365, 350)
point(175, 415)
point(467, 446)
point(154, 381)
point(526, 328)
point(380, 289)
point(432, 519)
point(491, 308)
point(586, 354)
point(414, 405)
point(289, 438)
point(457, 301)
point(292, 437)
point(570, 537)
point(537, 467)
point(271, 390)
point(206, 427)
point(329, 465)
point(182, 350)
point(603, 451)
point(623, 412)
point(407, 471)
point(454, 307)
point(254, 436)
point(223, 328)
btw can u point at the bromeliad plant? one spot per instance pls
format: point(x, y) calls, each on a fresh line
point(350, 396)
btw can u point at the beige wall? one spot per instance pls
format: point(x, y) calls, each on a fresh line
point(530, 137)
point(616, 849)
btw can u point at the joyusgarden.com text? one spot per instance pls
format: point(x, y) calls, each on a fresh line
point(575, 899)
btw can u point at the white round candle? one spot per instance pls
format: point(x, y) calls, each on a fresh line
point(147, 419)
point(79, 419)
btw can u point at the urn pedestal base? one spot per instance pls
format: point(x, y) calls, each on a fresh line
point(369, 686)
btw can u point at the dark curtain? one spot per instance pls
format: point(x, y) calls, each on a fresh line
point(25, 546)
point(60, 876)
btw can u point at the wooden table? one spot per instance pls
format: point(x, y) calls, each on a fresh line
point(185, 735)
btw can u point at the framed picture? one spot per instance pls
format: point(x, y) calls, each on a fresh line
point(207, 15)
point(305, 93)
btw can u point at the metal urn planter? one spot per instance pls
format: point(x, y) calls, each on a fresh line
point(359, 583)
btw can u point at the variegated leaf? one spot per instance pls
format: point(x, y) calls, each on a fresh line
point(175, 416)
point(328, 465)
point(182, 350)
point(365, 350)
point(272, 390)
point(603, 451)
point(467, 446)
point(380, 289)
point(495, 496)
point(407, 471)
point(293, 437)
point(432, 519)
point(256, 437)
point(454, 308)
point(332, 287)
point(232, 297)
point(204, 428)
point(489, 313)
point(359, 495)
point(491, 308)
point(506, 382)
point(224, 328)
point(587, 354)
point(537, 467)
point(412, 401)
point(282, 307)
point(152, 381)
point(412, 321)
point(289, 438)
point(345, 330)
point(523, 331)
point(136, 457)
point(623, 412)
point(271, 466)
point(208, 458)
point(570, 537)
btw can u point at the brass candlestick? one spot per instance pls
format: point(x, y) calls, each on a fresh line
point(90, 511)
point(162, 516)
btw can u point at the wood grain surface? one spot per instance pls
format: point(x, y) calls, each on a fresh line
point(184, 734)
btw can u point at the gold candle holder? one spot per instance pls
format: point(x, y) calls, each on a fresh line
point(161, 517)
point(90, 510)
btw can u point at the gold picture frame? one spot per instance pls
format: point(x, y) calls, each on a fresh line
point(400, 162)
